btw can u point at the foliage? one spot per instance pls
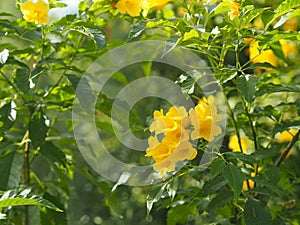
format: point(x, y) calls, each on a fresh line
point(252, 50)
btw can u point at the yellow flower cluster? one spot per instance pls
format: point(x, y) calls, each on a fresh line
point(234, 9)
point(174, 126)
point(36, 12)
point(134, 7)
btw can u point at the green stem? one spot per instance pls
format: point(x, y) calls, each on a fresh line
point(237, 133)
point(63, 74)
point(288, 149)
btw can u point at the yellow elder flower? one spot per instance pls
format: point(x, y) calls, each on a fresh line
point(36, 12)
point(287, 136)
point(148, 4)
point(174, 118)
point(234, 9)
point(175, 145)
point(291, 24)
point(204, 118)
point(257, 56)
point(234, 144)
point(132, 7)
point(166, 156)
point(288, 47)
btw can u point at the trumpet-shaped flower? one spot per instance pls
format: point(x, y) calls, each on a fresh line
point(257, 56)
point(286, 136)
point(234, 144)
point(204, 118)
point(132, 7)
point(148, 4)
point(174, 146)
point(234, 10)
point(36, 12)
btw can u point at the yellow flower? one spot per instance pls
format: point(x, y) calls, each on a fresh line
point(175, 145)
point(234, 9)
point(148, 4)
point(174, 118)
point(257, 56)
point(204, 118)
point(288, 47)
point(234, 144)
point(286, 136)
point(167, 156)
point(251, 182)
point(291, 24)
point(36, 12)
point(132, 7)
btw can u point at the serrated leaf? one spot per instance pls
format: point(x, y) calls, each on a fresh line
point(73, 79)
point(235, 178)
point(180, 214)
point(248, 159)
point(53, 153)
point(212, 186)
point(154, 196)
point(247, 86)
point(22, 80)
point(171, 43)
point(272, 174)
point(285, 7)
point(99, 38)
point(298, 106)
point(38, 129)
point(10, 170)
point(273, 88)
point(253, 13)
point(17, 200)
point(286, 125)
point(137, 29)
point(256, 214)
point(6, 117)
point(58, 5)
point(220, 200)
point(216, 167)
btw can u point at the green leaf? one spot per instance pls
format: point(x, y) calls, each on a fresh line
point(82, 6)
point(38, 129)
point(247, 85)
point(274, 88)
point(286, 125)
point(216, 167)
point(98, 37)
point(298, 106)
point(58, 5)
point(234, 177)
point(256, 214)
point(171, 43)
point(251, 15)
point(17, 200)
point(248, 159)
point(21, 80)
point(272, 174)
point(220, 200)
point(50, 217)
point(285, 7)
point(6, 117)
point(10, 170)
point(154, 196)
point(180, 214)
point(53, 153)
point(212, 186)
point(137, 29)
